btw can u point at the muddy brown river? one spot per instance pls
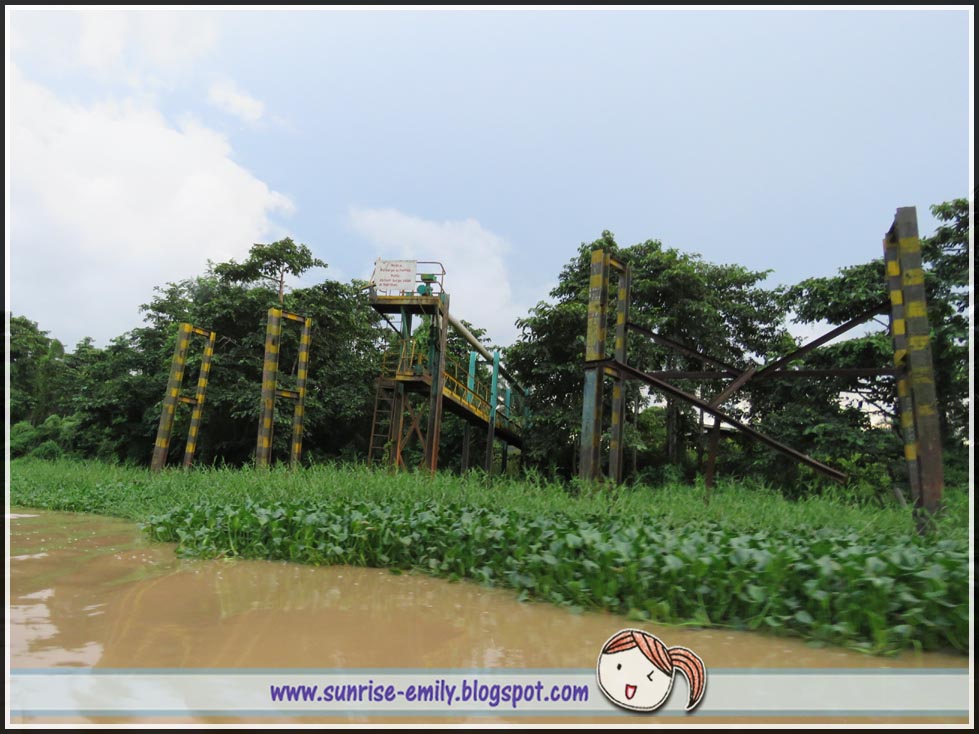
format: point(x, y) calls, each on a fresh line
point(93, 592)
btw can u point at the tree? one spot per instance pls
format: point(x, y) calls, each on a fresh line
point(270, 262)
point(28, 346)
point(839, 298)
point(720, 310)
point(233, 301)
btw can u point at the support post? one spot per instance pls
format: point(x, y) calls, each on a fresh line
point(903, 236)
point(440, 329)
point(270, 373)
point(591, 411)
point(712, 446)
point(295, 453)
point(198, 410)
point(618, 384)
point(165, 428)
point(491, 422)
point(471, 377)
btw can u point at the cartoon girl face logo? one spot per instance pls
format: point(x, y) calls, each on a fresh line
point(636, 671)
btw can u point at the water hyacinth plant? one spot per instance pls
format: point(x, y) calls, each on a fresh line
point(821, 569)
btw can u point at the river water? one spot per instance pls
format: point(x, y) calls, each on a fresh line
point(93, 592)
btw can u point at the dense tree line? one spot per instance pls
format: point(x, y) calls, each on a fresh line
point(105, 402)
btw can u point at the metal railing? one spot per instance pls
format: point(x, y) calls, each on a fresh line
point(408, 358)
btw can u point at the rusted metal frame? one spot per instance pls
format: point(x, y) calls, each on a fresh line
point(591, 412)
point(413, 427)
point(718, 413)
point(831, 372)
point(399, 404)
point(394, 328)
point(618, 384)
point(437, 369)
point(384, 395)
point(818, 342)
point(729, 370)
point(715, 434)
point(197, 412)
point(778, 374)
point(712, 446)
point(921, 372)
point(171, 398)
point(732, 388)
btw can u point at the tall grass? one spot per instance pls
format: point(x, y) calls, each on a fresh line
point(822, 568)
point(134, 493)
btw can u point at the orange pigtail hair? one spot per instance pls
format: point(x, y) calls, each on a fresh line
point(694, 671)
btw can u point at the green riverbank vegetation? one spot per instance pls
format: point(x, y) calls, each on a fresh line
point(825, 568)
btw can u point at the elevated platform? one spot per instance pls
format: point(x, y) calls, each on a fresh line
point(462, 403)
point(423, 373)
point(412, 304)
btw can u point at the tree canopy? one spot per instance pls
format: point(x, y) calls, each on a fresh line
point(105, 402)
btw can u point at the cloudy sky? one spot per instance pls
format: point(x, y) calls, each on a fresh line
point(141, 143)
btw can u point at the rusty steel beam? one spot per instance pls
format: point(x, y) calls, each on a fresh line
point(730, 370)
point(819, 341)
point(831, 372)
point(778, 374)
point(735, 385)
point(718, 413)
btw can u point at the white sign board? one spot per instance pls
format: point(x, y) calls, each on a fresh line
point(394, 275)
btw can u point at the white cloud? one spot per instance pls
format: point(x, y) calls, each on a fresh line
point(475, 259)
point(226, 96)
point(109, 200)
point(142, 47)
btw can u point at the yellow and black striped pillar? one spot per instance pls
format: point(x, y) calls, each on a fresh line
point(270, 370)
point(924, 454)
point(295, 453)
point(899, 334)
point(196, 413)
point(618, 384)
point(171, 398)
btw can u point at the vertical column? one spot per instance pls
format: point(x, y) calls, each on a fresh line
point(900, 338)
point(270, 370)
point(440, 324)
point(920, 367)
point(471, 378)
point(303, 370)
point(197, 412)
point(400, 400)
point(591, 411)
point(715, 439)
point(491, 422)
point(174, 382)
point(618, 386)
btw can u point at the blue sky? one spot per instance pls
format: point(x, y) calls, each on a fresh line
point(142, 143)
